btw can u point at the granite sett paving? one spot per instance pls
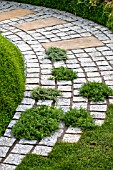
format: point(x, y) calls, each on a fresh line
point(90, 53)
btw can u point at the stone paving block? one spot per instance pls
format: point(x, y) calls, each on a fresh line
point(23, 107)
point(79, 105)
point(74, 43)
point(64, 83)
point(44, 66)
point(48, 141)
point(100, 108)
point(7, 167)
point(14, 159)
point(28, 101)
point(63, 102)
point(71, 138)
point(65, 88)
point(111, 101)
point(40, 23)
point(33, 70)
point(8, 133)
point(96, 79)
point(6, 141)
point(99, 122)
point(17, 115)
point(42, 150)
point(45, 102)
point(19, 12)
point(66, 94)
point(32, 80)
point(32, 75)
point(29, 88)
point(33, 65)
point(98, 115)
point(79, 98)
point(22, 149)
point(73, 130)
point(48, 82)
point(3, 151)
point(12, 123)
point(30, 142)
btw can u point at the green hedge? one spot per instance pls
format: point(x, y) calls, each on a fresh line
point(95, 10)
point(12, 80)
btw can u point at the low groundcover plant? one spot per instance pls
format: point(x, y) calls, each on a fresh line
point(95, 91)
point(37, 123)
point(79, 118)
point(56, 54)
point(41, 93)
point(63, 73)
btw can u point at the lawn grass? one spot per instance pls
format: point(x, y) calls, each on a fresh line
point(94, 151)
point(12, 80)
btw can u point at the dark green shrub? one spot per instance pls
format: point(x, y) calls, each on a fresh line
point(79, 118)
point(41, 93)
point(95, 91)
point(11, 81)
point(56, 54)
point(37, 123)
point(63, 73)
point(94, 10)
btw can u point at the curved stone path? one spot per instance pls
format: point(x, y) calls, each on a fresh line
point(90, 53)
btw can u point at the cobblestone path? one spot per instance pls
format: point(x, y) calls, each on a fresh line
point(90, 53)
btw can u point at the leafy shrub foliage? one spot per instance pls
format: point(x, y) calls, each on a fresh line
point(37, 123)
point(95, 10)
point(41, 93)
point(63, 73)
point(79, 118)
point(56, 54)
point(12, 81)
point(95, 91)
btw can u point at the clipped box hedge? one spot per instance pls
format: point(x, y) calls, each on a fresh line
point(100, 11)
point(12, 80)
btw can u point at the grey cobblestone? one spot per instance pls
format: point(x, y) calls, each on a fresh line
point(7, 167)
point(21, 149)
point(14, 159)
point(42, 150)
point(6, 141)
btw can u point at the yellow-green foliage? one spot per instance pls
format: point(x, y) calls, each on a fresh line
point(11, 81)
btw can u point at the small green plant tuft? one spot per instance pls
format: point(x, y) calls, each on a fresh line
point(37, 123)
point(79, 118)
point(95, 91)
point(41, 93)
point(56, 54)
point(63, 73)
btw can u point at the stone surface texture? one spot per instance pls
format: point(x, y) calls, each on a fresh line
point(90, 53)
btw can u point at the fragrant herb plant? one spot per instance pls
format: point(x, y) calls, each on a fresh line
point(63, 73)
point(41, 93)
point(95, 91)
point(56, 54)
point(37, 123)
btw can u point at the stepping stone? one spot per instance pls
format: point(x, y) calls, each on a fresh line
point(40, 23)
point(77, 43)
point(19, 12)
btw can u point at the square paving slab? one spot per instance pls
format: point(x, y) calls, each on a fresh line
point(77, 43)
point(40, 23)
point(19, 12)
